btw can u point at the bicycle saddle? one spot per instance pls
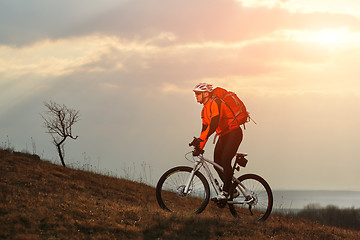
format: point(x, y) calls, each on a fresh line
point(241, 154)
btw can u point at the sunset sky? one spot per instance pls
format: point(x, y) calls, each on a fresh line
point(129, 67)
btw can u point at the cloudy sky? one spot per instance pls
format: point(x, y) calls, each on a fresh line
point(129, 67)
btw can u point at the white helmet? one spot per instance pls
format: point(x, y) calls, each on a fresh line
point(203, 87)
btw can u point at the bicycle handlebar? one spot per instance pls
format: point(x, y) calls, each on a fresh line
point(196, 144)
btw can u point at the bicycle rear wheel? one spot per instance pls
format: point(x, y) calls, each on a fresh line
point(170, 191)
point(259, 202)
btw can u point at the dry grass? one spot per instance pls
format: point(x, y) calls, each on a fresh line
point(332, 216)
point(40, 200)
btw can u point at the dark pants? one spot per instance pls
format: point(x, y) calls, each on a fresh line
point(225, 149)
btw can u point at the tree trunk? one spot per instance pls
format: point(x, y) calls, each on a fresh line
point(60, 154)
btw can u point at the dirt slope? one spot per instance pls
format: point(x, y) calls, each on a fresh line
point(40, 200)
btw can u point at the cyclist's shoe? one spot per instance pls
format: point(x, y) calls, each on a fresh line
point(221, 199)
point(223, 196)
point(235, 193)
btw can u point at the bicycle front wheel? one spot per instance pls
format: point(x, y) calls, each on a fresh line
point(259, 200)
point(171, 195)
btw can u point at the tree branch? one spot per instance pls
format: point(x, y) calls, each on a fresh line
point(59, 120)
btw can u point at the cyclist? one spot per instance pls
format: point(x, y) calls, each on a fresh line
point(230, 137)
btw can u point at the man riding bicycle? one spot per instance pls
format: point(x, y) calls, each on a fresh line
point(230, 135)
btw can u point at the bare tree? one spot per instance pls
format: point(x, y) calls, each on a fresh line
point(59, 121)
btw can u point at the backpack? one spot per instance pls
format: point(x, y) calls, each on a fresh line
point(235, 107)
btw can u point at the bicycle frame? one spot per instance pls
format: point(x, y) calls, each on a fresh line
point(201, 161)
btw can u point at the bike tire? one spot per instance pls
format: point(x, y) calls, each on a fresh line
point(170, 196)
point(262, 205)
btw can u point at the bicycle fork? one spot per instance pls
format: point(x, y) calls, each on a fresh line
point(191, 177)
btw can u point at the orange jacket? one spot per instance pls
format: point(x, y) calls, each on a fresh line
point(212, 120)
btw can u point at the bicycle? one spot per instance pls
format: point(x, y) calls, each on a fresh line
point(185, 189)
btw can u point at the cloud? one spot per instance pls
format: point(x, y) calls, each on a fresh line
point(172, 88)
point(184, 22)
point(130, 66)
point(24, 23)
point(219, 21)
point(263, 3)
point(150, 63)
point(347, 7)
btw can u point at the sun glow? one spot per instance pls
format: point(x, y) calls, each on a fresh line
point(332, 36)
point(329, 36)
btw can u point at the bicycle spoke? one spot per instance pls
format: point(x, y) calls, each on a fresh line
point(171, 194)
point(259, 202)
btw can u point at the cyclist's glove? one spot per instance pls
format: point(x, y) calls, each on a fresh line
point(197, 151)
point(196, 142)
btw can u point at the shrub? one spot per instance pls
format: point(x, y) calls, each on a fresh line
point(332, 215)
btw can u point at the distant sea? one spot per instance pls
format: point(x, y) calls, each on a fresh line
point(293, 201)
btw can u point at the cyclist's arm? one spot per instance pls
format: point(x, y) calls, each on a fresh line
point(213, 125)
point(208, 130)
point(204, 127)
point(203, 135)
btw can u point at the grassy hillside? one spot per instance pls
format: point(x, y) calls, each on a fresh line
point(40, 200)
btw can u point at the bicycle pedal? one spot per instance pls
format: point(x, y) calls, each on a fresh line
point(221, 203)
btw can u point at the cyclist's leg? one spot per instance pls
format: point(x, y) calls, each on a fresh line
point(218, 157)
point(225, 150)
